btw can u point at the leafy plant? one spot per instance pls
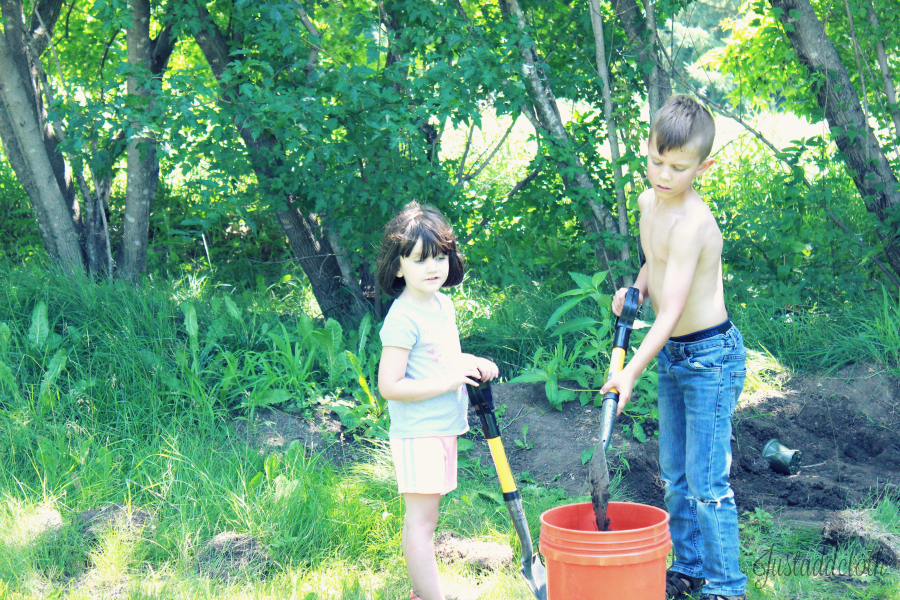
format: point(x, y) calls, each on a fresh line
point(524, 443)
point(579, 362)
point(368, 413)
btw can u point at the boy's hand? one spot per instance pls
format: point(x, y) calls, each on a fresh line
point(487, 368)
point(618, 301)
point(623, 381)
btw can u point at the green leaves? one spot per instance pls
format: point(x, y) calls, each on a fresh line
point(39, 331)
point(588, 288)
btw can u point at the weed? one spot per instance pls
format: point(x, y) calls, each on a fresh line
point(524, 443)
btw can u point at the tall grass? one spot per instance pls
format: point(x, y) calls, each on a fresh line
point(101, 404)
point(822, 338)
point(111, 395)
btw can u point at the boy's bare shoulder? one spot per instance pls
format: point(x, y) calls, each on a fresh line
point(698, 224)
point(645, 199)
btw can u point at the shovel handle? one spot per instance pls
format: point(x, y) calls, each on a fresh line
point(616, 364)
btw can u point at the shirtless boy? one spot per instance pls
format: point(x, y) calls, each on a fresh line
point(700, 354)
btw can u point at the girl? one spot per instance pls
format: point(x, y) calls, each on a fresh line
point(423, 374)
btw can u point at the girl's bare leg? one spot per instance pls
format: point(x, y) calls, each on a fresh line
point(419, 524)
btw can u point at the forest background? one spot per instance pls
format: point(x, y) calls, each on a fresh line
point(193, 195)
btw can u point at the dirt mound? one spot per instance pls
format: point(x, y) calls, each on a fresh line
point(846, 424)
point(231, 556)
point(847, 525)
point(94, 522)
point(488, 556)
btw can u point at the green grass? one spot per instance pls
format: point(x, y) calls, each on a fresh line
point(791, 561)
point(114, 397)
point(819, 339)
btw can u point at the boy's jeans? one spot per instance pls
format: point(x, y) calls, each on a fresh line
point(699, 384)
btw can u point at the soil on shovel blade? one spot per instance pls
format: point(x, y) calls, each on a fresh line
point(846, 424)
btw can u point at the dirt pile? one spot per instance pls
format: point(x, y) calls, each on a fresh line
point(480, 555)
point(846, 424)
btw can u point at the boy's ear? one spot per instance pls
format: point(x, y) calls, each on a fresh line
point(645, 146)
point(707, 163)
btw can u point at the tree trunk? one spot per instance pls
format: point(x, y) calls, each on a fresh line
point(642, 35)
point(612, 135)
point(303, 230)
point(862, 153)
point(43, 187)
point(18, 39)
point(143, 164)
point(318, 260)
point(547, 118)
point(20, 167)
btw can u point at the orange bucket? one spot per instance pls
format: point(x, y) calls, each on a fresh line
point(628, 561)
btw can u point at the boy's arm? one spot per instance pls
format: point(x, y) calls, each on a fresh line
point(680, 270)
point(394, 385)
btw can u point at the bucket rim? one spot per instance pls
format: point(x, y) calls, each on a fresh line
point(663, 514)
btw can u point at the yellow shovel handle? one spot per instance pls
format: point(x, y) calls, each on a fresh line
point(616, 364)
point(507, 483)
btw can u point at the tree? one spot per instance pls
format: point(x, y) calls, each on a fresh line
point(37, 144)
point(815, 82)
point(872, 173)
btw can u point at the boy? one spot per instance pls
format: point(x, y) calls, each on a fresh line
point(701, 354)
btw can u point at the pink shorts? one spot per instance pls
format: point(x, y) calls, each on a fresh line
point(425, 465)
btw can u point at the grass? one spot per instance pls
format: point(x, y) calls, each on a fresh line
point(821, 339)
point(113, 397)
point(791, 561)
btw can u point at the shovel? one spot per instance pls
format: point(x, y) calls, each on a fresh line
point(599, 473)
point(532, 568)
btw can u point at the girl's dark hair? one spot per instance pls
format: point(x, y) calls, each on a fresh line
point(417, 222)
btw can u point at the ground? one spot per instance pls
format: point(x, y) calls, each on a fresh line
point(846, 424)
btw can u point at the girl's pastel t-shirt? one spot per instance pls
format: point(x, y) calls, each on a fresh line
point(432, 339)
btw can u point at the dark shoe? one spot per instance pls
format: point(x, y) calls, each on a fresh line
point(679, 585)
point(720, 597)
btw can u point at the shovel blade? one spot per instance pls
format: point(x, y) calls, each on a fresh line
point(536, 576)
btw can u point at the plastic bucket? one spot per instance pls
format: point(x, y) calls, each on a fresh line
point(628, 561)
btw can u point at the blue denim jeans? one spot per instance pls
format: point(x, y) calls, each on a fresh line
point(699, 384)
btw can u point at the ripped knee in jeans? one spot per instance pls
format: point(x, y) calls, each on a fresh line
point(712, 500)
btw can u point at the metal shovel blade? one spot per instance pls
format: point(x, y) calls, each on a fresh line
point(532, 568)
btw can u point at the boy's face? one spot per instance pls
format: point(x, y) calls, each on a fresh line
point(672, 174)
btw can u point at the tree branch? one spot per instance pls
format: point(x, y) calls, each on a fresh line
point(884, 269)
point(313, 31)
point(889, 90)
point(727, 113)
point(516, 189)
point(462, 161)
point(488, 160)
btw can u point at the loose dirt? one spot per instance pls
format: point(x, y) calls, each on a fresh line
point(846, 424)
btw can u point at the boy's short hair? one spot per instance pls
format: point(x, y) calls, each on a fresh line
point(417, 222)
point(682, 122)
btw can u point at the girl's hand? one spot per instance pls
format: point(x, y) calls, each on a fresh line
point(488, 370)
point(460, 371)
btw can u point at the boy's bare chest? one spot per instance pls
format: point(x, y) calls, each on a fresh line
point(656, 232)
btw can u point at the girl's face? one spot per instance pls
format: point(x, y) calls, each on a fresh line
point(423, 276)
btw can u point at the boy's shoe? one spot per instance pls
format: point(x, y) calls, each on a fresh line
point(720, 597)
point(679, 585)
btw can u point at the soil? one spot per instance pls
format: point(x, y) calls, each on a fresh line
point(231, 555)
point(845, 424)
